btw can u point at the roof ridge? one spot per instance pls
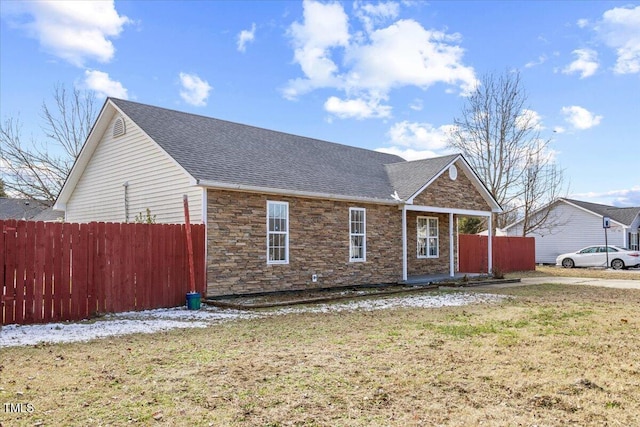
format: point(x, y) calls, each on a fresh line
point(601, 204)
point(262, 129)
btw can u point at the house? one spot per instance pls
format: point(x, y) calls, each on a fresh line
point(282, 212)
point(574, 224)
point(27, 209)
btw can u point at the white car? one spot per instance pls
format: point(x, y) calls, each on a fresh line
point(596, 256)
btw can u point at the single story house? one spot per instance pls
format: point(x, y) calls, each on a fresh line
point(282, 212)
point(27, 209)
point(574, 224)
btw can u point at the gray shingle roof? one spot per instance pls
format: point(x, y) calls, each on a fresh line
point(622, 215)
point(213, 150)
point(21, 208)
point(408, 177)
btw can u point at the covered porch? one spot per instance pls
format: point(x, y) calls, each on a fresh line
point(430, 243)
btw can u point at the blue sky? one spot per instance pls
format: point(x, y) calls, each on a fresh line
point(380, 75)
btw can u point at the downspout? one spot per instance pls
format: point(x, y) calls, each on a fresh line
point(126, 201)
point(404, 243)
point(452, 271)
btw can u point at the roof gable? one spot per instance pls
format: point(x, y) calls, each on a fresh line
point(412, 178)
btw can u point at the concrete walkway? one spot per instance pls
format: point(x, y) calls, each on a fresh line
point(607, 283)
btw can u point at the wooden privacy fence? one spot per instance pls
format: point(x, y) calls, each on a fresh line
point(509, 253)
point(56, 272)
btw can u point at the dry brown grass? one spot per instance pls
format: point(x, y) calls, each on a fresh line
point(552, 355)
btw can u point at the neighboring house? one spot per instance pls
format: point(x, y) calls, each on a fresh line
point(281, 211)
point(27, 209)
point(574, 224)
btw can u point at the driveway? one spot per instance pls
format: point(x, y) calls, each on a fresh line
point(606, 283)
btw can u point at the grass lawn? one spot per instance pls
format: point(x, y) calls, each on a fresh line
point(551, 355)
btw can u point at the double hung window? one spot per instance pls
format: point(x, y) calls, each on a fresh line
point(427, 237)
point(277, 232)
point(357, 234)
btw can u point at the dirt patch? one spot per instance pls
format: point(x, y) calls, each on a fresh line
point(547, 355)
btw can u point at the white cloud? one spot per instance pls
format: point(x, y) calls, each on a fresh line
point(246, 36)
point(580, 118)
point(368, 66)
point(74, 31)
point(408, 153)
point(582, 23)
point(529, 119)
point(356, 108)
point(541, 60)
point(419, 135)
point(416, 105)
point(620, 30)
point(195, 91)
point(625, 197)
point(559, 129)
point(325, 27)
point(586, 63)
point(406, 54)
point(373, 15)
point(101, 83)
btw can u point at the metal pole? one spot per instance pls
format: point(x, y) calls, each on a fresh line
point(606, 246)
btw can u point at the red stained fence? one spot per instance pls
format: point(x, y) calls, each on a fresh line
point(509, 253)
point(56, 272)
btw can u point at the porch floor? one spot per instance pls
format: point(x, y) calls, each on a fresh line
point(440, 277)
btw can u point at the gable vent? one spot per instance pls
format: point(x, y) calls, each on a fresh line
point(118, 127)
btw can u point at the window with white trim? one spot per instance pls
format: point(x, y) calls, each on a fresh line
point(357, 234)
point(427, 237)
point(634, 243)
point(277, 232)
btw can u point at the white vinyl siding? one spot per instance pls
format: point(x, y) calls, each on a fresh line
point(155, 182)
point(427, 237)
point(569, 229)
point(357, 234)
point(277, 232)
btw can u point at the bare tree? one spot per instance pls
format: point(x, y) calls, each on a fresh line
point(38, 169)
point(542, 183)
point(500, 136)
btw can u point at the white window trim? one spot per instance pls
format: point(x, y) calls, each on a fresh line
point(634, 240)
point(427, 218)
point(286, 233)
point(364, 236)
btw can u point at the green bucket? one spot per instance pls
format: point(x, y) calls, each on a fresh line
point(193, 301)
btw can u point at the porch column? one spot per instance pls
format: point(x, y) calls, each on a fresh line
point(404, 243)
point(490, 245)
point(452, 271)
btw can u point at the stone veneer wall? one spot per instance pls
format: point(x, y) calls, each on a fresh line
point(458, 194)
point(319, 240)
point(318, 244)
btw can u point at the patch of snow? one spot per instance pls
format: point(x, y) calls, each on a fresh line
point(417, 301)
point(151, 321)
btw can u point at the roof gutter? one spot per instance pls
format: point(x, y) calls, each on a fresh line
point(294, 193)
